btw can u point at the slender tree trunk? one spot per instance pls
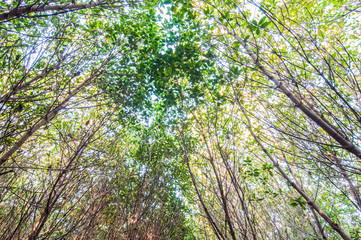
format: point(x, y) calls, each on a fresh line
point(23, 10)
point(323, 123)
point(59, 186)
point(353, 189)
point(209, 217)
point(310, 202)
point(50, 115)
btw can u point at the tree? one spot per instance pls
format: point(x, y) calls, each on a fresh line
point(68, 88)
point(180, 120)
point(288, 85)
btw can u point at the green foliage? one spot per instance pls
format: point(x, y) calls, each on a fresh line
point(178, 119)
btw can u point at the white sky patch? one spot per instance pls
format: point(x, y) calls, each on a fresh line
point(162, 11)
point(252, 7)
point(164, 16)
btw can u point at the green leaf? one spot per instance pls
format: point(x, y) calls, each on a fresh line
point(246, 38)
point(262, 20)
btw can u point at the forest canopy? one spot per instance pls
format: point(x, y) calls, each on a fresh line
point(180, 119)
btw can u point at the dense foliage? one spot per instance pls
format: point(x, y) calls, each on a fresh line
point(180, 119)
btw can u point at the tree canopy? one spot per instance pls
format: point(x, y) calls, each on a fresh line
point(180, 119)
